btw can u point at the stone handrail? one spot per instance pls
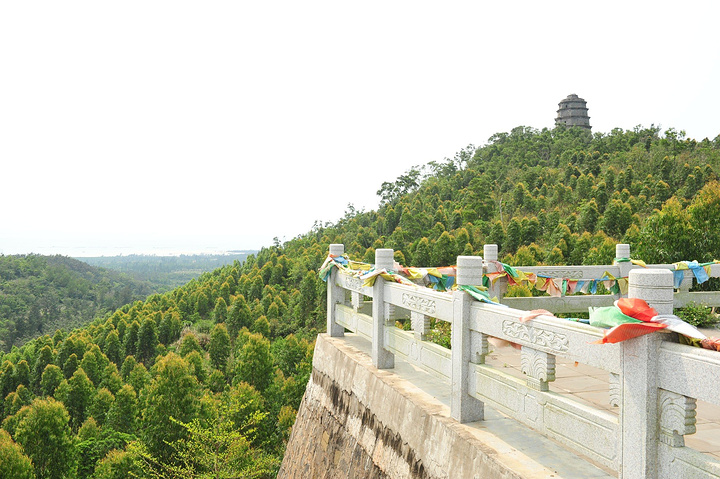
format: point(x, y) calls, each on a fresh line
point(654, 381)
point(580, 303)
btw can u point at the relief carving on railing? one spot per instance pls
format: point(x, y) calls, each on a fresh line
point(351, 282)
point(479, 347)
point(420, 324)
point(355, 300)
point(418, 303)
point(677, 417)
point(615, 389)
point(539, 367)
point(557, 273)
point(538, 337)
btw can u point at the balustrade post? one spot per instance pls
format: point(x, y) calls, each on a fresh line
point(381, 357)
point(464, 407)
point(639, 417)
point(335, 295)
point(623, 251)
point(499, 287)
point(686, 283)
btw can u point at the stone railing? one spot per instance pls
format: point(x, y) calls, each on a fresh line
point(580, 303)
point(653, 380)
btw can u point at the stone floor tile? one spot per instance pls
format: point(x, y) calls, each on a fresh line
point(707, 411)
point(706, 439)
point(598, 399)
point(579, 384)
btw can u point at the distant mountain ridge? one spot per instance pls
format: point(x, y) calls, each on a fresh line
point(167, 272)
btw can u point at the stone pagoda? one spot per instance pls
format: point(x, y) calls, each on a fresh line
point(573, 112)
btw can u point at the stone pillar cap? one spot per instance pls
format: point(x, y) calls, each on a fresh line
point(469, 270)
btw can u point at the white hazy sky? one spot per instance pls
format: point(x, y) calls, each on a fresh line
point(153, 126)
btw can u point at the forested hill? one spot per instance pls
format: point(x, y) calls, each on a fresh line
point(206, 378)
point(39, 294)
point(558, 196)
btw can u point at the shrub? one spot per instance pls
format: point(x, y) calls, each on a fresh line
point(698, 315)
point(440, 333)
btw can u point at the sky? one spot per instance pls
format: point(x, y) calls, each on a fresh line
point(188, 126)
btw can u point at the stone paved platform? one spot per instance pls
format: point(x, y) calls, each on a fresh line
point(584, 383)
point(533, 454)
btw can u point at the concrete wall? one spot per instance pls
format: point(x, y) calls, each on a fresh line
point(361, 422)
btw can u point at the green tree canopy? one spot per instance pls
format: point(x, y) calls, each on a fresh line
point(44, 433)
point(174, 392)
point(51, 378)
point(122, 415)
point(219, 348)
point(80, 396)
point(13, 462)
point(254, 362)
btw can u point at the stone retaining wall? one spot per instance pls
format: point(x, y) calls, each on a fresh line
point(361, 422)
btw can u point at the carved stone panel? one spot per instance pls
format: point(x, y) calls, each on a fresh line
point(539, 367)
point(479, 347)
point(677, 417)
point(356, 300)
point(351, 282)
point(567, 274)
point(390, 314)
point(538, 337)
point(420, 324)
point(418, 303)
